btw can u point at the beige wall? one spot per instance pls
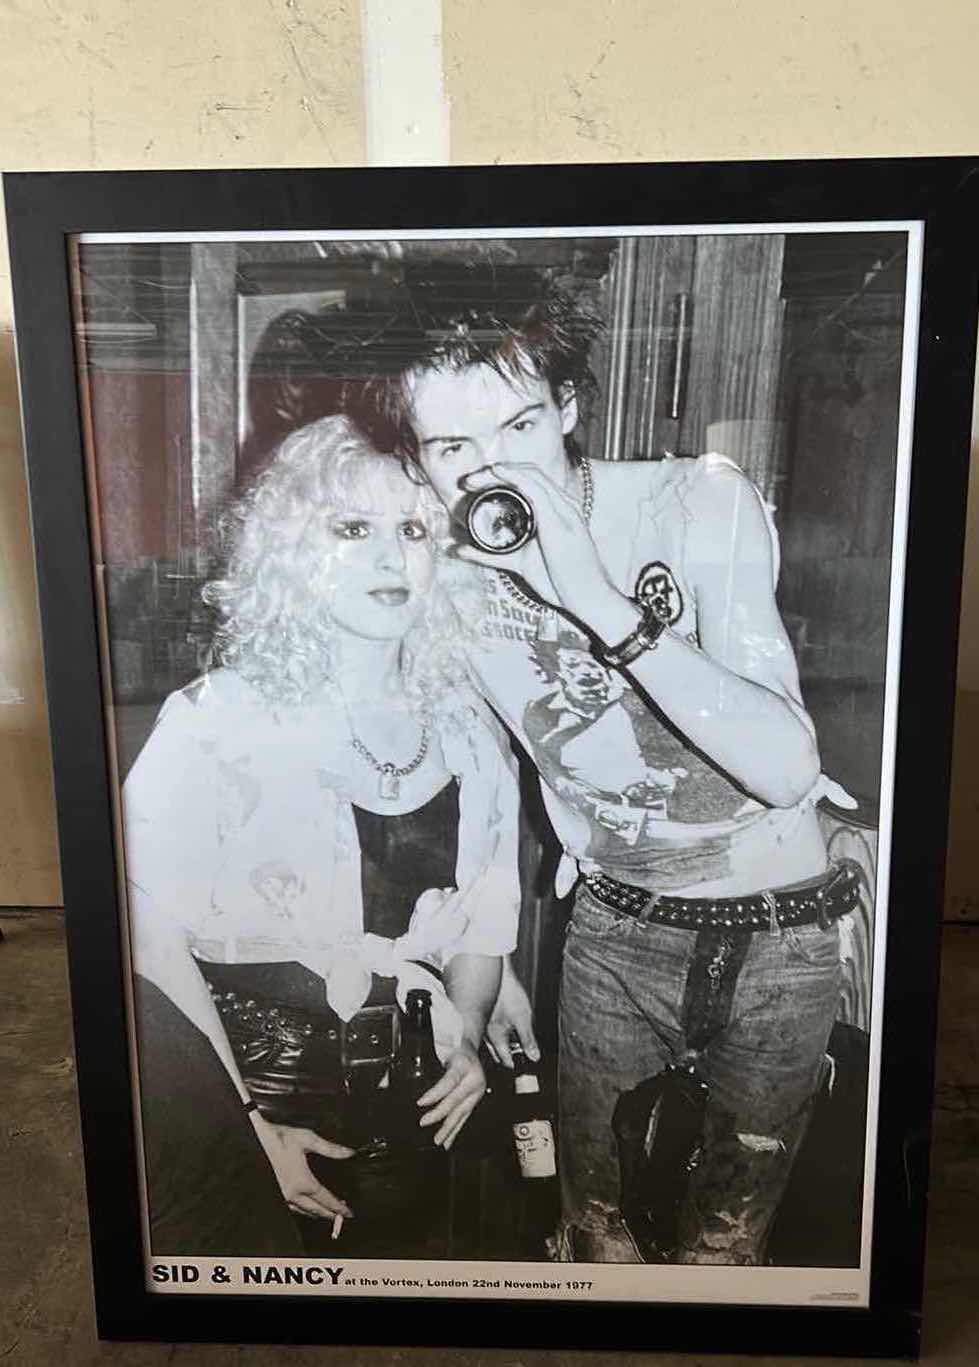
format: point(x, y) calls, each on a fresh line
point(129, 83)
point(627, 80)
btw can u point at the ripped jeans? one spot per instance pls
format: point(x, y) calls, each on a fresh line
point(627, 989)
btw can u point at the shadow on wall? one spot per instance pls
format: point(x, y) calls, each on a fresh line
point(29, 874)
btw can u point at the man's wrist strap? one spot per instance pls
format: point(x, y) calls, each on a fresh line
point(645, 637)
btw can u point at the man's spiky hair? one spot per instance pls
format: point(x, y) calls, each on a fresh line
point(452, 314)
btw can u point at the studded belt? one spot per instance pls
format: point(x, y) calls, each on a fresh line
point(287, 1055)
point(369, 1036)
point(821, 900)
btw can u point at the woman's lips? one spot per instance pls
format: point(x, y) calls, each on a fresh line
point(391, 598)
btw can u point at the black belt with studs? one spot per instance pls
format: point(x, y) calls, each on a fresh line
point(821, 901)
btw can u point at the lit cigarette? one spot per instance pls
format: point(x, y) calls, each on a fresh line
point(337, 1226)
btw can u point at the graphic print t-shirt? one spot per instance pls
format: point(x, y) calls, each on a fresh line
point(636, 800)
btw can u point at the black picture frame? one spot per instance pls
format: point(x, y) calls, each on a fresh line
point(44, 211)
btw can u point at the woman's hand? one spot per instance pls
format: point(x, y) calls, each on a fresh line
point(286, 1147)
point(454, 1096)
point(512, 1014)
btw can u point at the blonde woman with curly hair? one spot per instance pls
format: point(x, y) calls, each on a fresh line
point(323, 821)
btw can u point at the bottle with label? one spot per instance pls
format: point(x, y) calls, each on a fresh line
point(416, 1067)
point(533, 1132)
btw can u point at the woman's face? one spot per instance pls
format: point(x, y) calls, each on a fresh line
point(378, 558)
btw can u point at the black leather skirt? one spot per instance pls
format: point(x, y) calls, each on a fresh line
point(301, 1063)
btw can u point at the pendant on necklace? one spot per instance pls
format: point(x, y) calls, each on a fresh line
point(389, 784)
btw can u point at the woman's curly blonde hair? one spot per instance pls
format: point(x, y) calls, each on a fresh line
point(273, 630)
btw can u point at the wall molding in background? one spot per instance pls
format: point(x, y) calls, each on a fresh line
point(405, 104)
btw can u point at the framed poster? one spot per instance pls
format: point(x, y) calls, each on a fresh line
point(500, 658)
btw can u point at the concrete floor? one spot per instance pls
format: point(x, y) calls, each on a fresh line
point(45, 1312)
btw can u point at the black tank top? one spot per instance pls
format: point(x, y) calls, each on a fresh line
point(400, 857)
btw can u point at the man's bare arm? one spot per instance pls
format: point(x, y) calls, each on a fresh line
point(735, 694)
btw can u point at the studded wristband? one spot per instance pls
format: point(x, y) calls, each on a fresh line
point(645, 637)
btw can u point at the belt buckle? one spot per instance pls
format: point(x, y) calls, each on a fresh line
point(822, 915)
point(647, 911)
point(771, 903)
point(368, 1039)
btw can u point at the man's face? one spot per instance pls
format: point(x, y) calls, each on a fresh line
point(586, 683)
point(467, 419)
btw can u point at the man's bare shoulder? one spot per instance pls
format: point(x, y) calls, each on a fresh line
point(719, 504)
point(728, 517)
point(619, 481)
point(706, 487)
point(710, 488)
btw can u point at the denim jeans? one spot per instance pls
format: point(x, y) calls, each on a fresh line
point(625, 1013)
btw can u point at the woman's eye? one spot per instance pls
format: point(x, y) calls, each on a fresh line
point(414, 531)
point(352, 531)
point(451, 448)
point(522, 425)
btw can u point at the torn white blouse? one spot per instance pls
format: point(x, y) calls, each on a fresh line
point(235, 829)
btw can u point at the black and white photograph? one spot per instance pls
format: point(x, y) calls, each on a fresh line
point(501, 635)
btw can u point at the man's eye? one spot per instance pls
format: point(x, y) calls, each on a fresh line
point(450, 448)
point(414, 530)
point(352, 531)
point(522, 425)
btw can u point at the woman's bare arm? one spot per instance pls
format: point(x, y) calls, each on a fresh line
point(162, 954)
point(471, 983)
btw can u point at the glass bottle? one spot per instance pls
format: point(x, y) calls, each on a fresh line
point(533, 1132)
point(416, 1068)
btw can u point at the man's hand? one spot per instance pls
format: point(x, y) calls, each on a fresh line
point(286, 1147)
point(561, 564)
point(455, 1095)
point(512, 1014)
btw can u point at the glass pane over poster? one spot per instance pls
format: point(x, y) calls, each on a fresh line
point(591, 776)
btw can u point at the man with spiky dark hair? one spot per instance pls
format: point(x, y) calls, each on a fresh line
point(636, 651)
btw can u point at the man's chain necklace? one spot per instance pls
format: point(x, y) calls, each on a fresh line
point(587, 504)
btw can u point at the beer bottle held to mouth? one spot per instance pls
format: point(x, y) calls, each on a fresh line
point(533, 1132)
